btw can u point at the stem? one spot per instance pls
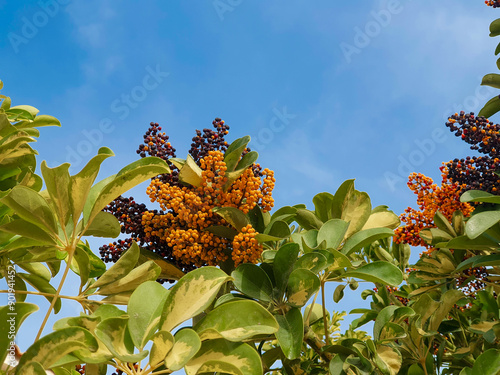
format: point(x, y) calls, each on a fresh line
point(58, 291)
point(312, 340)
point(306, 322)
point(325, 323)
point(45, 295)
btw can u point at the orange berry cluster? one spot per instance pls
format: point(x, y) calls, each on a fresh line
point(477, 172)
point(188, 212)
point(430, 199)
point(493, 3)
point(244, 245)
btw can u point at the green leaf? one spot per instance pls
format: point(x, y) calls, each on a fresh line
point(256, 218)
point(145, 272)
point(488, 363)
point(96, 265)
point(121, 268)
point(307, 219)
point(163, 342)
point(145, 317)
point(41, 285)
point(338, 294)
point(442, 223)
point(323, 206)
point(253, 281)
point(28, 108)
point(81, 183)
point(378, 272)
point(130, 176)
point(333, 232)
point(237, 321)
point(382, 217)
point(302, 284)
point(32, 207)
point(233, 152)
point(36, 269)
point(433, 236)
point(356, 211)
point(104, 224)
point(33, 368)
point(45, 120)
point(202, 286)
point(383, 317)
point(225, 357)
point(388, 360)
point(365, 238)
point(479, 196)
point(81, 265)
point(169, 271)
point(492, 80)
point(336, 366)
point(222, 231)
point(464, 242)
point(233, 216)
point(245, 162)
point(340, 198)
point(187, 343)
point(29, 230)
point(57, 181)
point(481, 222)
point(114, 333)
point(283, 264)
point(290, 333)
point(190, 173)
point(315, 262)
point(11, 326)
point(277, 229)
point(495, 28)
point(49, 349)
point(491, 107)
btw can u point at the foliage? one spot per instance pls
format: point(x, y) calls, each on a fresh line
point(250, 292)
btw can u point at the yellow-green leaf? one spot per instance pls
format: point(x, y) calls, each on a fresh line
point(186, 345)
point(202, 286)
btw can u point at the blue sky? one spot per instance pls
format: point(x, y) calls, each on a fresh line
point(322, 102)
